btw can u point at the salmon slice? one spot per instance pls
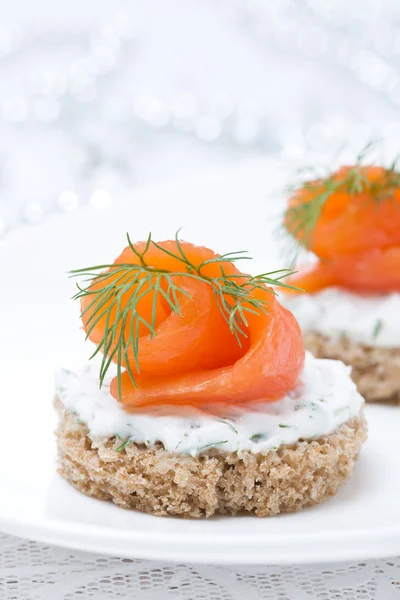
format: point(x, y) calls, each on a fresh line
point(356, 235)
point(312, 279)
point(269, 369)
point(374, 271)
point(197, 338)
point(194, 358)
point(350, 222)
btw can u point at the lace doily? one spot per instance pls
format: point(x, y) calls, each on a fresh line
point(33, 571)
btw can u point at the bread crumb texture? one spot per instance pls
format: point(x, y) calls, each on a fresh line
point(162, 483)
point(376, 370)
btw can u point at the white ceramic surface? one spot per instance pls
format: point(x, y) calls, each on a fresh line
point(39, 330)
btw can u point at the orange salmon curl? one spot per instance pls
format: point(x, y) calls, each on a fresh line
point(192, 358)
point(351, 221)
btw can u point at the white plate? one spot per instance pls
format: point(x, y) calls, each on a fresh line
point(39, 330)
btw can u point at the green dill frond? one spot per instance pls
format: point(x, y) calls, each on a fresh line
point(115, 290)
point(300, 220)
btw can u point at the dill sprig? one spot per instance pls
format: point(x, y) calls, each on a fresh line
point(301, 219)
point(115, 290)
point(123, 445)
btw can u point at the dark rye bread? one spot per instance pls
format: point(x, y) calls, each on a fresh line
point(375, 370)
point(156, 481)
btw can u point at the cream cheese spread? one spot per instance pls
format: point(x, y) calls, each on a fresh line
point(325, 399)
point(373, 320)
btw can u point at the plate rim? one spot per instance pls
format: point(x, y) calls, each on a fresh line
point(319, 547)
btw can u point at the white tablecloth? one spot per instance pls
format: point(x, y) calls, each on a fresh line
point(32, 571)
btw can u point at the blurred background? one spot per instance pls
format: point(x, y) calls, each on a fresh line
point(98, 97)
